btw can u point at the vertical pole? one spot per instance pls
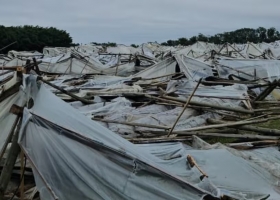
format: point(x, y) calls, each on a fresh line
point(119, 58)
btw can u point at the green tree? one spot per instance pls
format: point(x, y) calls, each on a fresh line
point(31, 38)
point(202, 38)
point(183, 41)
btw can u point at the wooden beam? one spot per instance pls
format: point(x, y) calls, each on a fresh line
point(9, 163)
point(264, 131)
point(66, 92)
point(219, 107)
point(132, 124)
point(9, 92)
point(229, 124)
point(185, 106)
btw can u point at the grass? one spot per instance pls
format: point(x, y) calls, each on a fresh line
point(273, 124)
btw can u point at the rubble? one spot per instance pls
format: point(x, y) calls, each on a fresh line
point(129, 123)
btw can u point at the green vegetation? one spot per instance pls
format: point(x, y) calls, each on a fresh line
point(108, 44)
point(239, 36)
point(134, 45)
point(29, 38)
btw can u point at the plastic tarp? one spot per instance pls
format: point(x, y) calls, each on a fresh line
point(83, 160)
point(7, 119)
point(231, 174)
point(162, 68)
point(251, 50)
point(100, 82)
point(26, 54)
point(264, 162)
point(264, 68)
point(14, 62)
point(4, 74)
point(185, 87)
point(192, 68)
point(55, 51)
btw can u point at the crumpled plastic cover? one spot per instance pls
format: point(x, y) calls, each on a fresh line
point(76, 158)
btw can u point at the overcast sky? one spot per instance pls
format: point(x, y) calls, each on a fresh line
point(139, 21)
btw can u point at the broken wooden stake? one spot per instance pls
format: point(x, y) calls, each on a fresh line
point(264, 131)
point(9, 163)
point(66, 92)
point(219, 107)
point(229, 124)
point(132, 124)
point(186, 105)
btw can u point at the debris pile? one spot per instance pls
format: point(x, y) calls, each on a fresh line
point(137, 123)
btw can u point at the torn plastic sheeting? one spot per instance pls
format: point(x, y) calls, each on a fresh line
point(193, 68)
point(185, 87)
point(267, 163)
point(221, 102)
point(162, 68)
point(4, 76)
point(104, 82)
point(7, 119)
point(75, 169)
point(264, 68)
point(191, 121)
point(232, 175)
point(83, 142)
point(150, 115)
point(111, 108)
point(118, 89)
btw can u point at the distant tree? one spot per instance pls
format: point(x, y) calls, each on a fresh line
point(134, 45)
point(170, 43)
point(202, 38)
point(261, 32)
point(239, 36)
point(193, 40)
point(32, 38)
point(108, 44)
point(183, 41)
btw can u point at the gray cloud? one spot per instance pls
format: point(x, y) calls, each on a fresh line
point(131, 21)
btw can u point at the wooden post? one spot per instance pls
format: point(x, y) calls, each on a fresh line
point(66, 92)
point(22, 175)
point(132, 124)
point(9, 138)
point(264, 131)
point(219, 107)
point(9, 92)
point(119, 58)
point(9, 163)
point(267, 91)
point(229, 124)
point(163, 100)
point(186, 105)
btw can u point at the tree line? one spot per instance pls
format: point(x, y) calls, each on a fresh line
point(239, 36)
point(29, 38)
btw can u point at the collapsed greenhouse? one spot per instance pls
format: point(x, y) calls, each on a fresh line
point(91, 122)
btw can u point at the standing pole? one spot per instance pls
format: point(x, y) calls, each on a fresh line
point(186, 105)
point(119, 58)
